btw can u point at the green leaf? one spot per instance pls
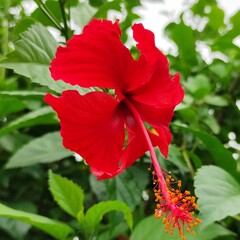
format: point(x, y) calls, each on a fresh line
point(54, 228)
point(218, 194)
point(12, 142)
point(43, 115)
point(216, 100)
point(176, 158)
point(220, 154)
point(95, 213)
point(82, 13)
point(152, 228)
point(32, 56)
point(53, 7)
point(128, 186)
point(199, 86)
point(219, 68)
point(67, 194)
point(186, 48)
point(103, 10)
point(10, 105)
point(212, 123)
point(45, 149)
point(22, 94)
point(99, 188)
point(216, 18)
point(15, 228)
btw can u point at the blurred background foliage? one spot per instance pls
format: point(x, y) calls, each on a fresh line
point(206, 140)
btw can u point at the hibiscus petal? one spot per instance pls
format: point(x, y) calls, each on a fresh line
point(137, 143)
point(159, 119)
point(91, 125)
point(95, 58)
point(136, 146)
point(161, 137)
point(154, 115)
point(161, 90)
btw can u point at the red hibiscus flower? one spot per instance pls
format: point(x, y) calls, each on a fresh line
point(112, 128)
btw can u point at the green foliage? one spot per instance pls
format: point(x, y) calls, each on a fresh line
point(70, 196)
point(219, 153)
point(53, 228)
point(32, 57)
point(218, 199)
point(124, 189)
point(96, 212)
point(153, 228)
point(43, 115)
point(67, 194)
point(45, 149)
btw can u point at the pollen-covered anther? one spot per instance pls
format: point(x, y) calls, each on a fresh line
point(177, 207)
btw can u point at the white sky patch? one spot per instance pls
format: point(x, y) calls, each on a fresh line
point(29, 7)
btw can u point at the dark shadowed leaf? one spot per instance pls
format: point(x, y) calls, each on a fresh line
point(128, 186)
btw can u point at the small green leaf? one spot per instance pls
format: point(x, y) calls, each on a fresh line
point(53, 7)
point(103, 10)
point(199, 86)
point(54, 228)
point(95, 213)
point(216, 100)
point(212, 123)
point(32, 57)
point(218, 194)
point(45, 149)
point(153, 228)
point(82, 13)
point(219, 69)
point(186, 48)
point(43, 115)
point(67, 194)
point(216, 18)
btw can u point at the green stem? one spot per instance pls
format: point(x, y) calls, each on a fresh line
point(188, 162)
point(49, 15)
point(61, 5)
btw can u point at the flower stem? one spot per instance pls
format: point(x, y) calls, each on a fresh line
point(65, 32)
point(49, 15)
